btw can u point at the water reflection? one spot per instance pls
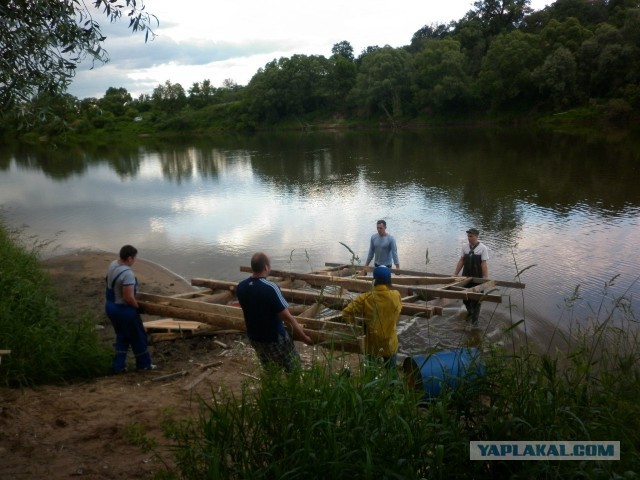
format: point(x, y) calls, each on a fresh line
point(565, 207)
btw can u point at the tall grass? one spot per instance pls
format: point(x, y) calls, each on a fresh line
point(44, 347)
point(319, 423)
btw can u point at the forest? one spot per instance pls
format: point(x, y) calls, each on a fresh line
point(575, 61)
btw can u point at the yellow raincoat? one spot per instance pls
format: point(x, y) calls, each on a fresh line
point(381, 309)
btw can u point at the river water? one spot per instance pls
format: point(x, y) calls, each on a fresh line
point(562, 210)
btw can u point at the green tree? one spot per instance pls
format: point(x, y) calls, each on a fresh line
point(557, 78)
point(430, 32)
point(343, 49)
point(589, 12)
point(169, 97)
point(42, 42)
point(473, 42)
point(569, 34)
point(604, 60)
point(498, 16)
point(506, 73)
point(201, 94)
point(115, 100)
point(383, 82)
point(289, 87)
point(342, 74)
point(440, 76)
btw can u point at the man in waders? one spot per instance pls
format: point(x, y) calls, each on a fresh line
point(473, 262)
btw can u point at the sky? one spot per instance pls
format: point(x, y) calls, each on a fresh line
point(231, 39)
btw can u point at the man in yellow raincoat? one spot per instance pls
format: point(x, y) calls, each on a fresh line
point(380, 308)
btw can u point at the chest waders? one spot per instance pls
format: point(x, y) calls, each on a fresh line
point(472, 268)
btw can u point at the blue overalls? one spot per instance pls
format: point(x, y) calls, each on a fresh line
point(129, 331)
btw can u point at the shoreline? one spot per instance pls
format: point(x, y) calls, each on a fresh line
point(94, 263)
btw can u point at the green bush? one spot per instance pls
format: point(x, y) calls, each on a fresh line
point(44, 347)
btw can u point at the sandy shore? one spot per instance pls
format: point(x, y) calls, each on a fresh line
point(80, 429)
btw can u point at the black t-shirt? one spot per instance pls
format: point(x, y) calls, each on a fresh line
point(261, 302)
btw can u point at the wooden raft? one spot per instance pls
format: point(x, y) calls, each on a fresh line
point(325, 333)
point(317, 299)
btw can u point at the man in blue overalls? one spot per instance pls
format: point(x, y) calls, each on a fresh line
point(123, 310)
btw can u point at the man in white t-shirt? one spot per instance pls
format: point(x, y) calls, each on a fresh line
point(473, 263)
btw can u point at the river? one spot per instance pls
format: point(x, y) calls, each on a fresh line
point(562, 210)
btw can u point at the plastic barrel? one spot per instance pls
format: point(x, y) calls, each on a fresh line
point(432, 372)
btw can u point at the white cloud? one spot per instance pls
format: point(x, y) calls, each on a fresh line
point(234, 38)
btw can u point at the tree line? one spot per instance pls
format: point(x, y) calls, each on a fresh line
point(500, 60)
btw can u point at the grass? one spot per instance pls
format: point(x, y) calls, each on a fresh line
point(321, 423)
point(45, 348)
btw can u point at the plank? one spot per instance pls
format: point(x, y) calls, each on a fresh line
point(499, 283)
point(320, 280)
point(323, 333)
point(291, 295)
point(171, 324)
point(421, 280)
point(364, 286)
point(331, 301)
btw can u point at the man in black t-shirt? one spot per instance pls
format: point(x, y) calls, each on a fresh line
point(265, 310)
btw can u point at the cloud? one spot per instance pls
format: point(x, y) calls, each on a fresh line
point(234, 38)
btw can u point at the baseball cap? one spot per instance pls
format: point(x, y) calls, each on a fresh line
point(473, 231)
point(382, 273)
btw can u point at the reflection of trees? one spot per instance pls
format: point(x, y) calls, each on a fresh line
point(56, 163)
point(486, 172)
point(489, 174)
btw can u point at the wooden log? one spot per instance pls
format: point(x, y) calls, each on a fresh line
point(319, 280)
point(167, 337)
point(194, 294)
point(162, 300)
point(500, 283)
point(181, 373)
point(319, 331)
point(414, 280)
point(291, 295)
point(198, 379)
point(364, 286)
point(220, 298)
point(169, 324)
point(331, 301)
point(217, 363)
point(228, 319)
point(312, 311)
point(211, 313)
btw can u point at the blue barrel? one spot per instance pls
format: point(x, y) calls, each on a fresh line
point(433, 371)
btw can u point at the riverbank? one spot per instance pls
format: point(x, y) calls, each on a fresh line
point(93, 429)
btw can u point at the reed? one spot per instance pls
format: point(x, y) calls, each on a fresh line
point(321, 423)
point(44, 347)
